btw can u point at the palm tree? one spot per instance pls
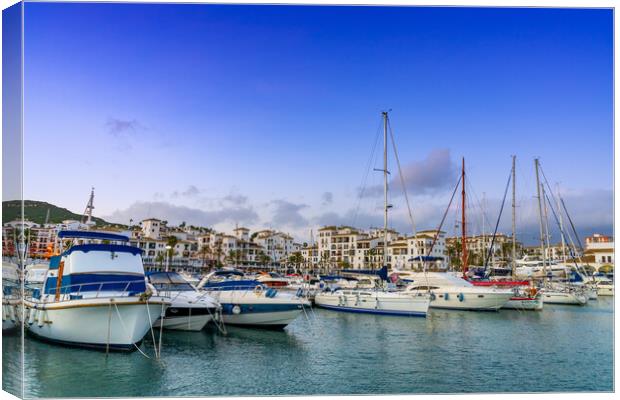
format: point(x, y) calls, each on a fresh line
point(344, 265)
point(159, 259)
point(172, 242)
point(296, 259)
point(205, 251)
point(263, 259)
point(218, 253)
point(235, 256)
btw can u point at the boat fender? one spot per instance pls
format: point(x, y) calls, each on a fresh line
point(299, 293)
point(4, 312)
point(461, 297)
point(31, 316)
point(446, 296)
point(433, 296)
point(41, 319)
point(236, 310)
point(258, 290)
point(12, 313)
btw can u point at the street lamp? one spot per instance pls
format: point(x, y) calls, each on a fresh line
point(168, 248)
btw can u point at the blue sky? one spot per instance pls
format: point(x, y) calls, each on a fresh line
point(266, 116)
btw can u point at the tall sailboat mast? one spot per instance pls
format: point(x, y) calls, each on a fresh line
point(463, 226)
point(514, 217)
point(540, 215)
point(385, 187)
point(557, 203)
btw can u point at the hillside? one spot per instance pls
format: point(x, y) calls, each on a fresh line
point(36, 211)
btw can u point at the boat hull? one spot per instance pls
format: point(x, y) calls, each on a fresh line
point(271, 320)
point(186, 318)
point(255, 309)
point(10, 314)
point(118, 325)
point(524, 303)
point(605, 291)
point(398, 305)
point(565, 298)
point(470, 301)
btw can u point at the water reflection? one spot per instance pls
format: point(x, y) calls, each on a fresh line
point(559, 349)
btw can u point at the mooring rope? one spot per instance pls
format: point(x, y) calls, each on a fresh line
point(125, 330)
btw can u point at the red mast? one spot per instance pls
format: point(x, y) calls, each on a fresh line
point(463, 227)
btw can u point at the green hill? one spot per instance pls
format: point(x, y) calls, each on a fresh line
point(36, 212)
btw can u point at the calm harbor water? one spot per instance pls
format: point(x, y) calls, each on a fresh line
point(562, 348)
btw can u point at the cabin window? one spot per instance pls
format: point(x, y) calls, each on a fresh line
point(480, 295)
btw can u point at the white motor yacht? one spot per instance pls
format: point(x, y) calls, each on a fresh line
point(94, 295)
point(452, 292)
point(190, 309)
point(247, 302)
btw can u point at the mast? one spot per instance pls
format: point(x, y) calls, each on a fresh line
point(557, 202)
point(546, 212)
point(88, 213)
point(385, 187)
point(463, 227)
point(514, 219)
point(484, 236)
point(540, 215)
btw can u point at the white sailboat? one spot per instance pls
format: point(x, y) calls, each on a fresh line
point(377, 301)
point(554, 293)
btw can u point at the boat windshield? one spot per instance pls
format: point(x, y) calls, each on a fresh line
point(170, 281)
point(174, 287)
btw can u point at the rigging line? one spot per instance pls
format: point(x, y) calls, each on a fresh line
point(365, 177)
point(483, 213)
point(402, 180)
point(471, 201)
point(563, 206)
point(486, 262)
point(557, 220)
point(571, 224)
point(430, 250)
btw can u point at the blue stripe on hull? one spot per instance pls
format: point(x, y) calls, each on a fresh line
point(373, 311)
point(259, 308)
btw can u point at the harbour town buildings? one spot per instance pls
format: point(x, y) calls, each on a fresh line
point(192, 248)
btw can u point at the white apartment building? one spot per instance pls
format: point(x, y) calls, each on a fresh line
point(311, 256)
point(151, 228)
point(278, 246)
point(601, 249)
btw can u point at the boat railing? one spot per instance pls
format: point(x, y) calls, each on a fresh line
point(94, 290)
